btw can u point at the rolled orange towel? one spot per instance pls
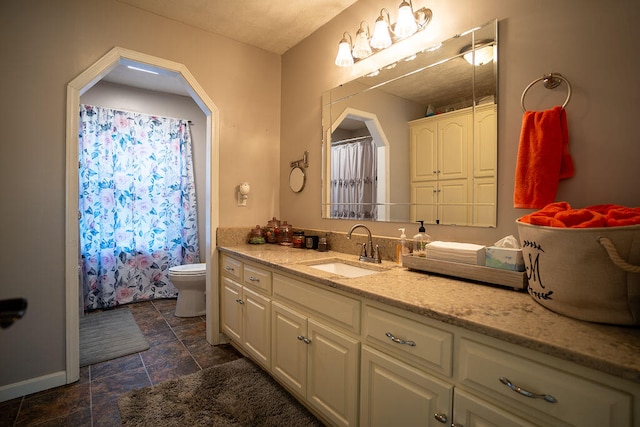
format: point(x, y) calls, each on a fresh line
point(581, 218)
point(621, 216)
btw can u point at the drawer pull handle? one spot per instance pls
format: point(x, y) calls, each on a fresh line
point(253, 279)
point(399, 341)
point(239, 301)
point(526, 393)
point(304, 339)
point(441, 418)
point(229, 268)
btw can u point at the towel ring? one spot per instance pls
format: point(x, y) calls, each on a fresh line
point(551, 81)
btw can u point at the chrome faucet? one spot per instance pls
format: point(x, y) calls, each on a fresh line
point(375, 253)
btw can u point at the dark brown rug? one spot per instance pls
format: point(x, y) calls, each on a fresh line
point(236, 393)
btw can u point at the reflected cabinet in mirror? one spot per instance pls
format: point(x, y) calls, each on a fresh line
point(417, 139)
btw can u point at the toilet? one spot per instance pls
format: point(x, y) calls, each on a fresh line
point(190, 280)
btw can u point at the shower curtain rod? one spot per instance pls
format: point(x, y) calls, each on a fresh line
point(345, 141)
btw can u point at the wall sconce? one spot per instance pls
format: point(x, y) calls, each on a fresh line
point(408, 23)
point(243, 193)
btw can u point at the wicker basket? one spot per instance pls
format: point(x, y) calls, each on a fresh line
point(590, 274)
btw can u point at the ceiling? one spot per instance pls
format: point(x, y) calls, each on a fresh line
point(272, 25)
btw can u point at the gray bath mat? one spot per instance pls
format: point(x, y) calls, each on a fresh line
point(109, 334)
point(234, 394)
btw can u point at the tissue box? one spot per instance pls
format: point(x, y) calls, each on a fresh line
point(504, 258)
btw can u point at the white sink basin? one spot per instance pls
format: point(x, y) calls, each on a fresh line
point(346, 270)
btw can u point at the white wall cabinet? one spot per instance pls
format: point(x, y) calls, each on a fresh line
point(449, 152)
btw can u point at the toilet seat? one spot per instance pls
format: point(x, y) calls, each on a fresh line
point(189, 269)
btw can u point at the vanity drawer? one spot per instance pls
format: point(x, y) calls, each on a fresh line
point(231, 267)
point(578, 400)
point(320, 303)
point(257, 277)
point(409, 339)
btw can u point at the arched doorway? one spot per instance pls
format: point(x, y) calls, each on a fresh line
point(75, 89)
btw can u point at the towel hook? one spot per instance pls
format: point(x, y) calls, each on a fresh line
point(551, 81)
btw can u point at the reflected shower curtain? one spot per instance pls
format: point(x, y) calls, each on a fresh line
point(137, 205)
point(354, 180)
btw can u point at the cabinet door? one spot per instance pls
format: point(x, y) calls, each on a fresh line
point(333, 374)
point(484, 201)
point(288, 348)
point(424, 198)
point(396, 394)
point(484, 141)
point(424, 159)
point(472, 411)
point(453, 206)
point(257, 326)
point(231, 312)
point(453, 137)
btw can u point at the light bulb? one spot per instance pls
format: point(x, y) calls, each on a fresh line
point(361, 48)
point(406, 24)
point(344, 58)
point(381, 38)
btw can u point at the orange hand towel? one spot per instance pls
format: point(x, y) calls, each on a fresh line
point(543, 158)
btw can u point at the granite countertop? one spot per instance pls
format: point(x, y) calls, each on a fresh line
point(494, 311)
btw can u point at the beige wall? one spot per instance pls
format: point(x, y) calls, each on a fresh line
point(46, 44)
point(592, 43)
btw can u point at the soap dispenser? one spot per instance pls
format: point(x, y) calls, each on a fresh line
point(402, 248)
point(420, 241)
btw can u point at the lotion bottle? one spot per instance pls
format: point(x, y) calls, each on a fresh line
point(420, 241)
point(402, 248)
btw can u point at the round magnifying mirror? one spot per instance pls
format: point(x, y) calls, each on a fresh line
point(296, 179)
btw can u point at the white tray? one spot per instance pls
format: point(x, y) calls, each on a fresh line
point(512, 279)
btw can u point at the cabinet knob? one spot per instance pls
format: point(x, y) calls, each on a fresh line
point(239, 301)
point(304, 339)
point(440, 418)
point(253, 279)
point(400, 341)
point(228, 268)
point(546, 397)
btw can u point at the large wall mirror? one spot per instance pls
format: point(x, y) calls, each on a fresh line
point(417, 139)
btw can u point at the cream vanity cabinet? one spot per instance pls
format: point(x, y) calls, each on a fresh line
point(315, 351)
point(405, 371)
point(417, 371)
point(246, 307)
point(452, 164)
point(359, 362)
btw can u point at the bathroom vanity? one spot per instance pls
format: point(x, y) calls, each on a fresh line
point(382, 345)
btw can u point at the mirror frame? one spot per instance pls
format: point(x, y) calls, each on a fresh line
point(297, 186)
point(385, 76)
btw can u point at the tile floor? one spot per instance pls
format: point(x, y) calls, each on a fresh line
point(177, 347)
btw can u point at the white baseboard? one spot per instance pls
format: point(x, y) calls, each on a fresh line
point(32, 385)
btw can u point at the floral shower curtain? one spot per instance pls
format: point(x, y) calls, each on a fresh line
point(137, 205)
point(354, 180)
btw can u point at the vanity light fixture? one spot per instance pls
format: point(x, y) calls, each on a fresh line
point(344, 58)
point(408, 23)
